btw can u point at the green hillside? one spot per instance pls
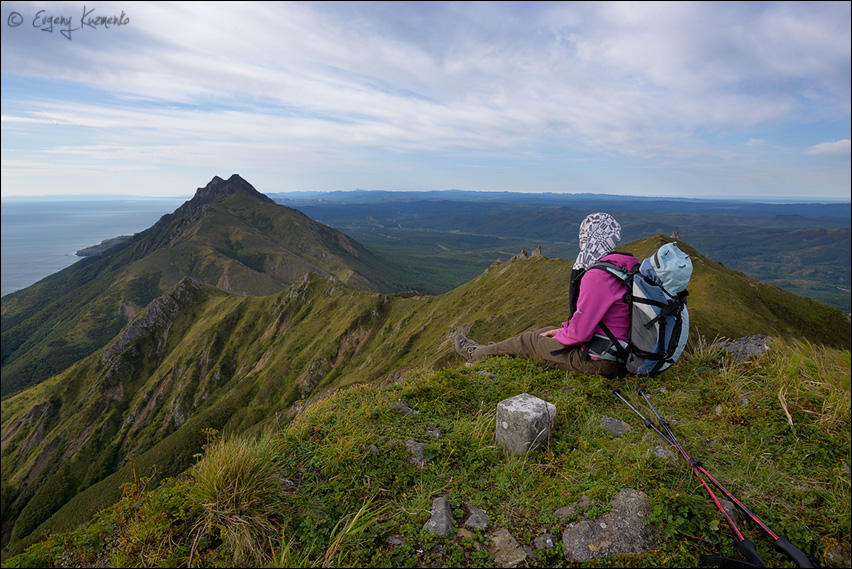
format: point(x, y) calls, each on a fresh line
point(199, 357)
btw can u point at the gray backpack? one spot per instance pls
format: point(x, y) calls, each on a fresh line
point(656, 293)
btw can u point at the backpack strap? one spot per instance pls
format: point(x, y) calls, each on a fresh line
point(574, 290)
point(621, 360)
point(620, 273)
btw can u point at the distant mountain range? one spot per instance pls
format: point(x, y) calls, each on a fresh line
point(234, 313)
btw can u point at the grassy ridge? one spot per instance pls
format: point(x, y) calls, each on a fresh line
point(331, 487)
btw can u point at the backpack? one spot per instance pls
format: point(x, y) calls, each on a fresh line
point(656, 293)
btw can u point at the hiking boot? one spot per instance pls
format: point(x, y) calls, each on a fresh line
point(464, 347)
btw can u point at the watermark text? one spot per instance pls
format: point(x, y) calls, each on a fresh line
point(68, 25)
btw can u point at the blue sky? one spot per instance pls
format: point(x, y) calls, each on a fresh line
point(747, 99)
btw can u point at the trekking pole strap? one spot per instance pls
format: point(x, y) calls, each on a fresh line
point(713, 561)
point(798, 556)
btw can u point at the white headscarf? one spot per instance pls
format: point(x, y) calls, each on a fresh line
point(599, 234)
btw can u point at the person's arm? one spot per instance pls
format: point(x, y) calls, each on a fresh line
point(595, 299)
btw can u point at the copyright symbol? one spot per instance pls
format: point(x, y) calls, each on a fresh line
point(14, 20)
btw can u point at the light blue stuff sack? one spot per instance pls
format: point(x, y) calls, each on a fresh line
point(670, 267)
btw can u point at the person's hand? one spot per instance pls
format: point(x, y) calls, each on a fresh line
point(550, 333)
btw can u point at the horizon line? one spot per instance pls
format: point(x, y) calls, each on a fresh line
point(756, 199)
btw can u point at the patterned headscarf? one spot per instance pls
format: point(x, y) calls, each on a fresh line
point(599, 234)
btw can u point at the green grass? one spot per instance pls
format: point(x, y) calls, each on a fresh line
point(329, 488)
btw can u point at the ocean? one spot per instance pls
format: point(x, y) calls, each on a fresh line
point(41, 236)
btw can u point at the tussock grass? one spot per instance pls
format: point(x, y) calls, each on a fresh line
point(242, 492)
point(335, 487)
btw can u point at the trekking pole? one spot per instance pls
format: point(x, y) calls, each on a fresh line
point(782, 544)
point(743, 545)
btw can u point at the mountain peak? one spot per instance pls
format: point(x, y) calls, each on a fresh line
point(218, 189)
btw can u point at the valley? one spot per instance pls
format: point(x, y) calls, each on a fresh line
point(442, 239)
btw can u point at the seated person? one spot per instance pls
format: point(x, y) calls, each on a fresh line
point(600, 299)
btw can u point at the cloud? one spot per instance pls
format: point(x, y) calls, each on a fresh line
point(635, 80)
point(836, 148)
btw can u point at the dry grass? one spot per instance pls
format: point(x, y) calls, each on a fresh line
point(811, 379)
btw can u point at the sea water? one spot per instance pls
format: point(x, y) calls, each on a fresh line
point(41, 237)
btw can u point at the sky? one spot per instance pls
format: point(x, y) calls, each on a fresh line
point(673, 99)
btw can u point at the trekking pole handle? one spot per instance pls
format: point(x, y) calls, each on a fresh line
point(801, 559)
point(749, 551)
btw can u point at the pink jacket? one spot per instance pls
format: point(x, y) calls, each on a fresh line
point(601, 299)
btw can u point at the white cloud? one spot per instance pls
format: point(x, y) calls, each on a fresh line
point(836, 148)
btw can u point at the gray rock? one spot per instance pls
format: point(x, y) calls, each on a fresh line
point(621, 531)
point(416, 451)
point(545, 541)
point(403, 408)
point(524, 422)
point(564, 513)
point(615, 426)
point(441, 522)
point(506, 550)
point(161, 312)
point(745, 347)
point(478, 519)
point(730, 508)
point(434, 432)
point(568, 511)
point(838, 556)
point(666, 453)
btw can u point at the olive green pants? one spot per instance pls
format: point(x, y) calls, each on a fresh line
point(534, 346)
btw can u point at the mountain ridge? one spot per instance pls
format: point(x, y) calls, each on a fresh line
point(228, 235)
